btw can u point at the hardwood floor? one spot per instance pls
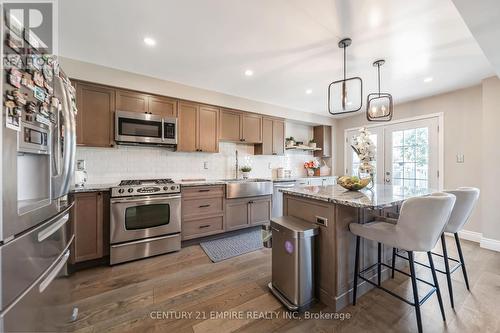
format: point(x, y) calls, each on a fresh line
point(142, 296)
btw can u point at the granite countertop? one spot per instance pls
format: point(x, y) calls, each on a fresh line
point(91, 188)
point(199, 182)
point(379, 197)
point(277, 180)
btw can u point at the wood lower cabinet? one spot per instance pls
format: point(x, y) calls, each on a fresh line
point(202, 211)
point(90, 222)
point(198, 128)
point(94, 121)
point(240, 126)
point(247, 212)
point(273, 138)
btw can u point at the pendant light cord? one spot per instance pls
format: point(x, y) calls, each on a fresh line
point(345, 62)
point(378, 66)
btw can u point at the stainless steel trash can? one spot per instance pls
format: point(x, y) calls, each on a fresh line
point(267, 236)
point(293, 261)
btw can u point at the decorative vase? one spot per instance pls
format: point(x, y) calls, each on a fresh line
point(366, 170)
point(245, 174)
point(312, 144)
point(310, 172)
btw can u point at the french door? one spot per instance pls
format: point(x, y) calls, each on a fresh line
point(407, 153)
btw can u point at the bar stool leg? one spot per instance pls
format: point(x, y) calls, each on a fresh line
point(415, 291)
point(459, 247)
point(379, 266)
point(393, 261)
point(356, 272)
point(447, 269)
point(436, 284)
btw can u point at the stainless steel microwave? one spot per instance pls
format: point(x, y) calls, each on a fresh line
point(145, 128)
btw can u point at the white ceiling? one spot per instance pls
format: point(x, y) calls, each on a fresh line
point(290, 45)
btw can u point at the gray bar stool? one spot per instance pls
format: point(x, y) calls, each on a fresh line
point(466, 200)
point(419, 226)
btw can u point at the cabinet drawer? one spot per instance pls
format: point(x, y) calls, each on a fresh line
point(202, 206)
point(203, 191)
point(202, 227)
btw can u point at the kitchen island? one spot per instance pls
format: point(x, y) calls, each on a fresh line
point(333, 208)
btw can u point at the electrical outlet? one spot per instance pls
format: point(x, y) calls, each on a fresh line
point(460, 158)
point(269, 165)
point(80, 165)
point(205, 165)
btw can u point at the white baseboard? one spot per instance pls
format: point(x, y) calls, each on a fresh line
point(490, 244)
point(477, 237)
point(472, 236)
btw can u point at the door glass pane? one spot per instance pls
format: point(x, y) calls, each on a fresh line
point(147, 216)
point(410, 157)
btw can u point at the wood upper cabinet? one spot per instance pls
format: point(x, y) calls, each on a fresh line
point(90, 222)
point(208, 129)
point(239, 126)
point(162, 106)
point(198, 128)
point(251, 128)
point(273, 138)
point(323, 138)
point(230, 129)
point(187, 122)
point(94, 121)
point(132, 101)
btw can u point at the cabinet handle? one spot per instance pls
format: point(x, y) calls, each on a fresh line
point(275, 154)
point(200, 150)
point(203, 206)
point(203, 190)
point(204, 226)
point(251, 202)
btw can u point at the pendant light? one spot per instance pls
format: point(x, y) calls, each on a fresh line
point(346, 95)
point(379, 106)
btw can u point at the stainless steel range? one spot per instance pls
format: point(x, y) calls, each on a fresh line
point(145, 219)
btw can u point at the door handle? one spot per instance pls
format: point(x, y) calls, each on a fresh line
point(53, 274)
point(49, 231)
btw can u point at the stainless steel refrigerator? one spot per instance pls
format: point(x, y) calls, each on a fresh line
point(38, 143)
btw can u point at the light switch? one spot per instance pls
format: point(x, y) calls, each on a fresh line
point(205, 165)
point(460, 158)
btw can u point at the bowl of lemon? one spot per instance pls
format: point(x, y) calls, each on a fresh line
point(353, 183)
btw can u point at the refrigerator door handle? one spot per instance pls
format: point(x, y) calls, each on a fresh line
point(50, 230)
point(62, 181)
point(53, 274)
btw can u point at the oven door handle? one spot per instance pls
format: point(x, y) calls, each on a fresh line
point(145, 199)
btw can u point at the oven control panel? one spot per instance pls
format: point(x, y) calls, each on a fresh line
point(127, 191)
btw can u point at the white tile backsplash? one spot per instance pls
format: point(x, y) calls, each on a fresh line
point(110, 165)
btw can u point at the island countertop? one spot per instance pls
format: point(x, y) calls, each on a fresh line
point(379, 197)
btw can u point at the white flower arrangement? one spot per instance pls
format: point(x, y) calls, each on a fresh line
point(365, 149)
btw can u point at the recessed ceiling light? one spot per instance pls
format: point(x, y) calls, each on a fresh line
point(309, 91)
point(249, 72)
point(428, 79)
point(149, 41)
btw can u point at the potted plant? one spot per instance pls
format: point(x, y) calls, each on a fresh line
point(312, 143)
point(311, 167)
point(245, 171)
point(290, 142)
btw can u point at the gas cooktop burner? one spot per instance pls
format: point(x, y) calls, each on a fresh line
point(135, 187)
point(137, 182)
